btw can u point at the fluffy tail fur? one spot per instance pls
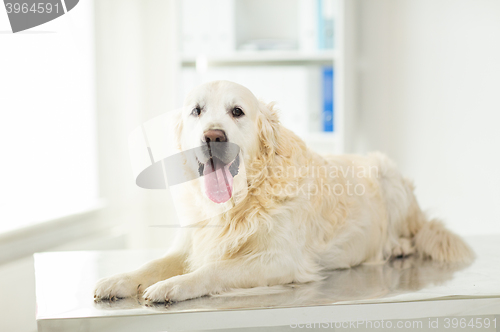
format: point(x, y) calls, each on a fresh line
point(434, 241)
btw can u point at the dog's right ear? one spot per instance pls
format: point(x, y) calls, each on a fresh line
point(268, 123)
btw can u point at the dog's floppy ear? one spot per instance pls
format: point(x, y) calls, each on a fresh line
point(268, 122)
point(176, 126)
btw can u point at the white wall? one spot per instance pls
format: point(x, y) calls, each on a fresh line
point(429, 96)
point(136, 79)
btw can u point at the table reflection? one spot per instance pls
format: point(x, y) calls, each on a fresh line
point(362, 283)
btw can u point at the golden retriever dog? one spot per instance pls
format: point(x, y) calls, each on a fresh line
point(302, 212)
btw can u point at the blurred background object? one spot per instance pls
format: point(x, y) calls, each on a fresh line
point(415, 79)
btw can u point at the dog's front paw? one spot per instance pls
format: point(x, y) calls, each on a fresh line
point(175, 289)
point(116, 287)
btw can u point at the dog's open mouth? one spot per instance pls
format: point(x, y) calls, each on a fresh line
point(219, 178)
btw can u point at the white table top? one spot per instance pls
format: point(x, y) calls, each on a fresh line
point(401, 289)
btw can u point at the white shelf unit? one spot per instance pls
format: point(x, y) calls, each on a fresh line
point(257, 57)
point(290, 75)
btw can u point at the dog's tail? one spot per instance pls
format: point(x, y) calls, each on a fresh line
point(434, 241)
point(428, 236)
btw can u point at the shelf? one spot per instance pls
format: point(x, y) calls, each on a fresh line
point(280, 59)
point(262, 57)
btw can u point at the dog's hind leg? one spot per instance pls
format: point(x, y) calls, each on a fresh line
point(403, 248)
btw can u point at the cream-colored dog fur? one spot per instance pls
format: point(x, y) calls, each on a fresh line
point(275, 237)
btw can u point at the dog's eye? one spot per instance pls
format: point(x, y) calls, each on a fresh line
point(196, 111)
point(237, 112)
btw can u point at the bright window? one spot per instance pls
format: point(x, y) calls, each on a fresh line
point(48, 148)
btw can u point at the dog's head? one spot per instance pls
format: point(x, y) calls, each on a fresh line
point(226, 125)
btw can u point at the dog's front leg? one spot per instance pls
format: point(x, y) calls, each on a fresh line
point(216, 278)
point(131, 283)
point(134, 282)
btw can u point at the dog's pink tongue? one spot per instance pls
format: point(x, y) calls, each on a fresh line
point(218, 182)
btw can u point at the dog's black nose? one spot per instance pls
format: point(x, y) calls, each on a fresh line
point(214, 136)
